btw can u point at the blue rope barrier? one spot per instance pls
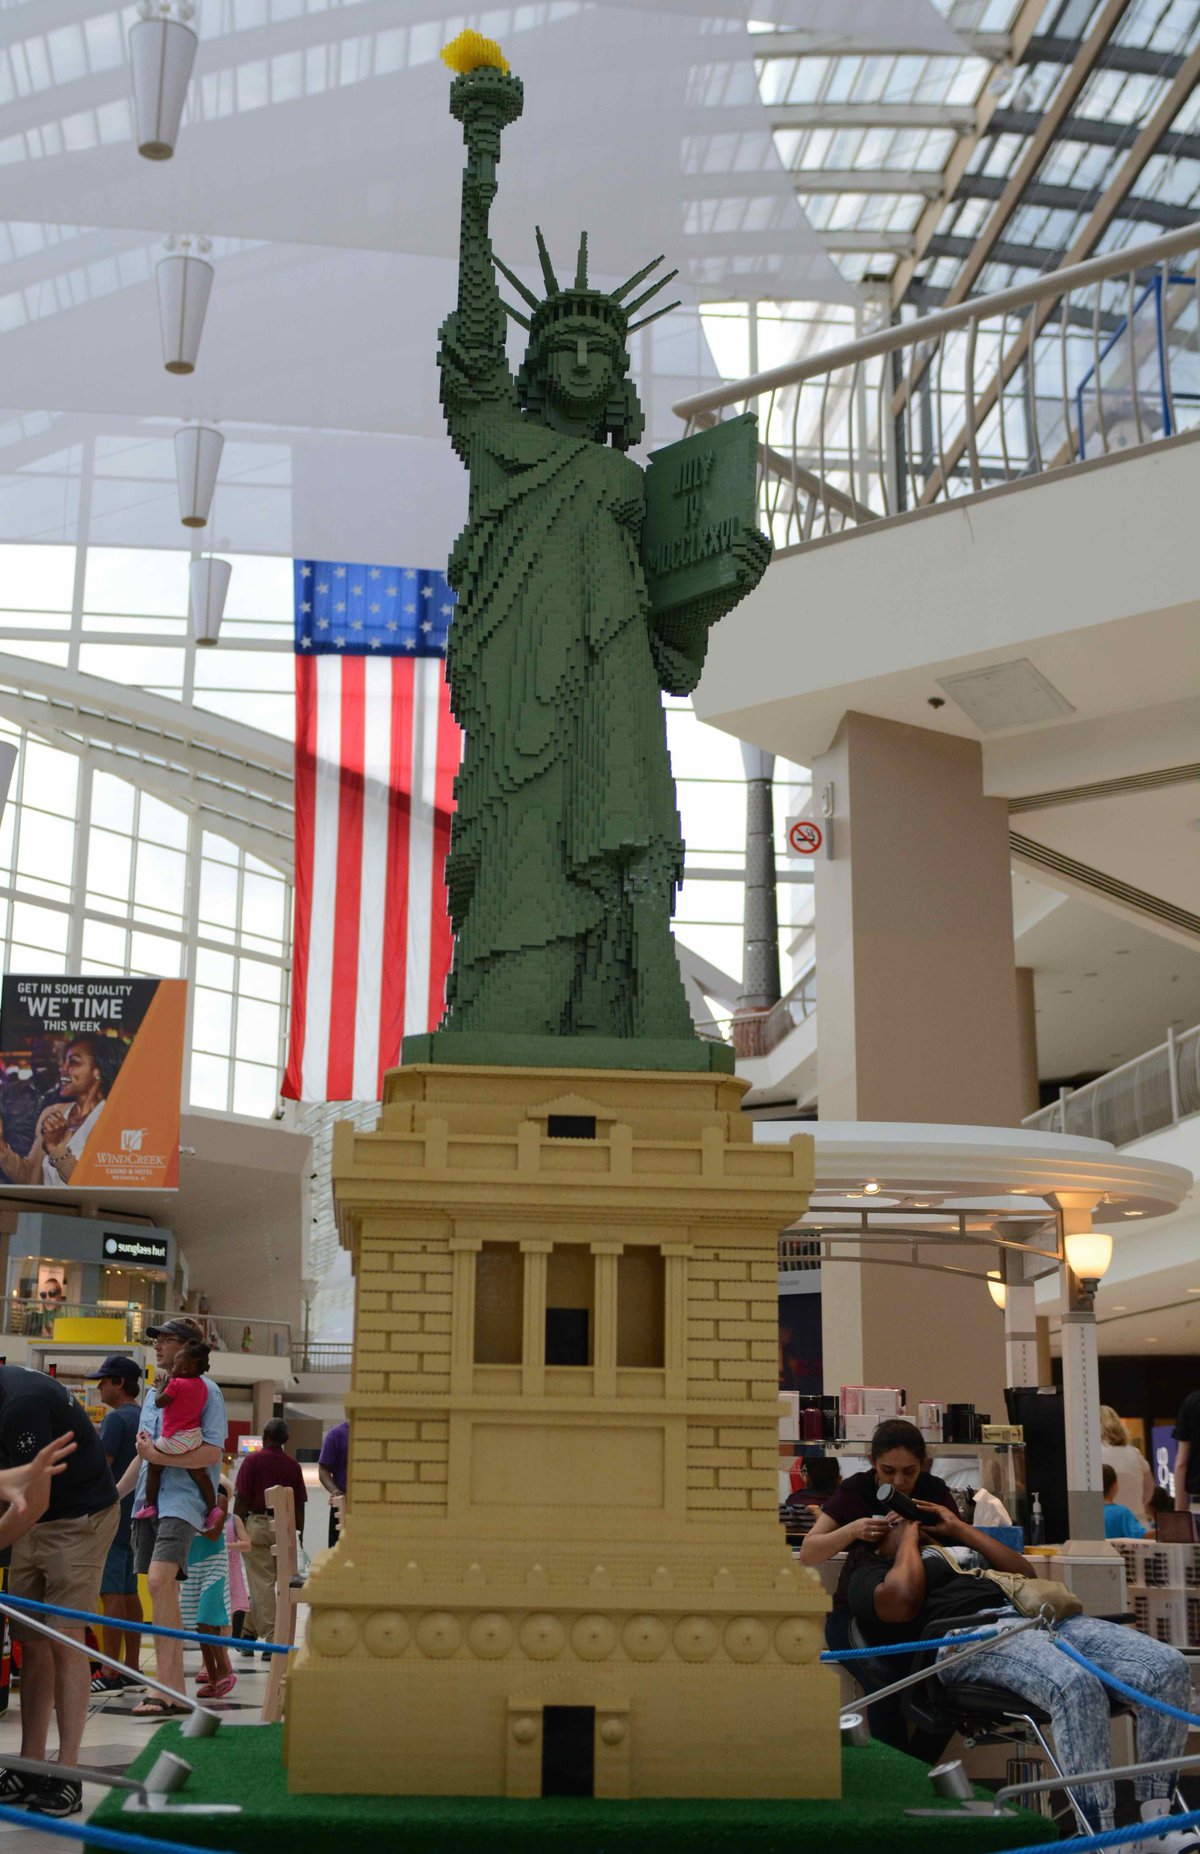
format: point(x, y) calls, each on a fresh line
point(144, 1628)
point(96, 1837)
point(937, 1641)
point(1111, 1837)
point(1122, 1687)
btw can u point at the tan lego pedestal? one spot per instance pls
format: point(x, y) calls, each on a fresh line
point(563, 1570)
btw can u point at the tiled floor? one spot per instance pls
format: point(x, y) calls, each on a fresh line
point(112, 1739)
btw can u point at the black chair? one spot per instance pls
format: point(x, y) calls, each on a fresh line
point(978, 1713)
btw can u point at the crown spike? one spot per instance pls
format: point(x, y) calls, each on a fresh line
point(551, 281)
point(652, 317)
point(515, 314)
point(637, 277)
point(525, 295)
point(659, 284)
point(581, 281)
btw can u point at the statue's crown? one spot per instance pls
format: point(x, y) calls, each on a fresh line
point(561, 304)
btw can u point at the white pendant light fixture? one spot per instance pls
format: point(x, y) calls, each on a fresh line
point(1089, 1253)
point(197, 457)
point(210, 583)
point(184, 281)
point(162, 48)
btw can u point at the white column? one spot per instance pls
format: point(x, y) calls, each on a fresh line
point(1081, 1383)
point(1020, 1322)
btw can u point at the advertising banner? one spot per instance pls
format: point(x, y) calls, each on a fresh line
point(92, 1076)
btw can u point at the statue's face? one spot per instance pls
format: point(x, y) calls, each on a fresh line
point(585, 362)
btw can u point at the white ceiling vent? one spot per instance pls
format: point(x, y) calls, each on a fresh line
point(1006, 695)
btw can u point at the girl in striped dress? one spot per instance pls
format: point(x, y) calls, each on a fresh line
point(204, 1602)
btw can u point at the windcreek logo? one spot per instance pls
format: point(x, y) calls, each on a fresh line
point(131, 1138)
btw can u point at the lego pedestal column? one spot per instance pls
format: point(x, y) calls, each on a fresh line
point(562, 1570)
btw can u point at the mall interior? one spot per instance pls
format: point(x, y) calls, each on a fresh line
point(938, 922)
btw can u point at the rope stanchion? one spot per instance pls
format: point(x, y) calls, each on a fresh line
point(884, 1649)
point(96, 1837)
point(1112, 1837)
point(142, 1628)
point(1124, 1689)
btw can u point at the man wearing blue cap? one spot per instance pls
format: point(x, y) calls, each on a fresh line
point(119, 1381)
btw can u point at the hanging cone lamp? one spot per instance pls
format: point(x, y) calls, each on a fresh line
point(184, 281)
point(197, 458)
point(210, 583)
point(162, 49)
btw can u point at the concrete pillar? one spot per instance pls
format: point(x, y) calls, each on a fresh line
point(1081, 1383)
point(1027, 1041)
point(1020, 1322)
point(263, 1403)
point(918, 1008)
point(918, 1022)
point(760, 941)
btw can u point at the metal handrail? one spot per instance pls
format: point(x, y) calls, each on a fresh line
point(225, 1332)
point(201, 1724)
point(1053, 284)
point(757, 1033)
point(966, 367)
point(1154, 1090)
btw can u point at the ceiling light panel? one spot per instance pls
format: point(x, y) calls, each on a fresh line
point(1006, 695)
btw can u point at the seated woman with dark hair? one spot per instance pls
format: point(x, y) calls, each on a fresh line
point(919, 1574)
point(851, 1516)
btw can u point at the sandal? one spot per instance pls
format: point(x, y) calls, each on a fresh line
point(158, 1709)
point(217, 1689)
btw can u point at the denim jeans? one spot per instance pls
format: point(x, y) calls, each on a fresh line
point(1030, 1664)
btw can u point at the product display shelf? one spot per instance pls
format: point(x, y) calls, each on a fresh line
point(1000, 1466)
point(1164, 1590)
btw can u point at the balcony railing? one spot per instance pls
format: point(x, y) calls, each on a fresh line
point(1143, 1096)
point(225, 1332)
point(1082, 362)
point(322, 1355)
point(757, 1033)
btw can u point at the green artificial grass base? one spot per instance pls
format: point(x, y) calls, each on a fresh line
point(245, 1764)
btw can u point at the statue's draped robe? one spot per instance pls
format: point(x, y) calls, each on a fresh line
point(565, 814)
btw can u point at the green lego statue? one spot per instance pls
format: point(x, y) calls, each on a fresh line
point(565, 844)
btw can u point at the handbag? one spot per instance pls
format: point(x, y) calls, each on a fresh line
point(1029, 1596)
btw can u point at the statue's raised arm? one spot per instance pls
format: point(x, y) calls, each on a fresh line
point(485, 97)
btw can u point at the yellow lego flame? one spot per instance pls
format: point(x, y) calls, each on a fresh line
point(470, 50)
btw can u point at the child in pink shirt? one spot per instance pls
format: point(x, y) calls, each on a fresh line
point(183, 1398)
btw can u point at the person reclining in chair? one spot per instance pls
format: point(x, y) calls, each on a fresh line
point(921, 1574)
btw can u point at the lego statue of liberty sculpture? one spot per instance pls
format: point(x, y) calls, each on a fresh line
point(565, 849)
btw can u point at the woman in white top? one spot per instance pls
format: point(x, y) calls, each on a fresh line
point(1135, 1482)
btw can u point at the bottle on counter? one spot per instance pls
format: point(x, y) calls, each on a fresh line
point(1037, 1523)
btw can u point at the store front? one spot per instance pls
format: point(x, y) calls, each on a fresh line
point(86, 1267)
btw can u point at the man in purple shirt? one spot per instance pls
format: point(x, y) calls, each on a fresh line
point(332, 1469)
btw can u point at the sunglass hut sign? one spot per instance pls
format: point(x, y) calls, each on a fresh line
point(149, 1251)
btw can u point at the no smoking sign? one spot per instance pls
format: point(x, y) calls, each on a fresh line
point(805, 837)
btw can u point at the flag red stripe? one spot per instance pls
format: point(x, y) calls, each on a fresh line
point(395, 945)
point(305, 798)
point(449, 752)
point(347, 901)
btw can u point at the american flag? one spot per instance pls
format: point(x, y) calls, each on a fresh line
point(376, 753)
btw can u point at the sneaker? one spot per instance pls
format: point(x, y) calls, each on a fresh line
point(1171, 1841)
point(146, 1512)
point(214, 1517)
point(56, 1796)
point(16, 1787)
point(115, 1683)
